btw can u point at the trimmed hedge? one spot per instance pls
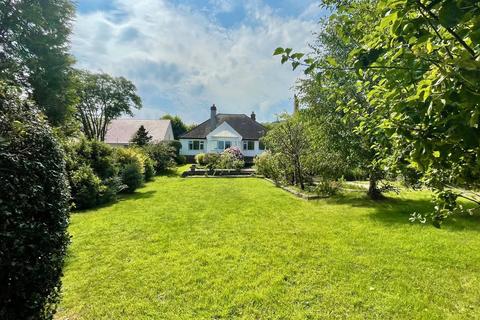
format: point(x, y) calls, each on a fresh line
point(34, 211)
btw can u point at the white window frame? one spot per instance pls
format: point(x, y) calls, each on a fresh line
point(223, 144)
point(200, 145)
point(247, 144)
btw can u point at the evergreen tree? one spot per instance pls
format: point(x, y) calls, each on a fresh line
point(141, 137)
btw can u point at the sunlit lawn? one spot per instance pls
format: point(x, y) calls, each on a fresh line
point(200, 248)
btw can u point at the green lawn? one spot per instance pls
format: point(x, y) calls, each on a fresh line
point(202, 248)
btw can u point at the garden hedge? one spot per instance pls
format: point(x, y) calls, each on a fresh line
point(34, 202)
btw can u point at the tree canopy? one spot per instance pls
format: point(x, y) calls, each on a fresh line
point(103, 98)
point(178, 126)
point(35, 53)
point(418, 69)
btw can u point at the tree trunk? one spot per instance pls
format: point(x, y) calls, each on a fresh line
point(373, 191)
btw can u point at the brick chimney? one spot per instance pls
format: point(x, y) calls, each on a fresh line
point(213, 117)
point(253, 116)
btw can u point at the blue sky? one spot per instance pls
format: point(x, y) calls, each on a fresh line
point(184, 55)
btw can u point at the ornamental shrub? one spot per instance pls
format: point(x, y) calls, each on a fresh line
point(200, 159)
point(100, 182)
point(211, 160)
point(98, 155)
point(149, 169)
point(163, 155)
point(131, 163)
point(229, 160)
point(273, 166)
point(234, 151)
point(132, 176)
point(34, 211)
point(86, 187)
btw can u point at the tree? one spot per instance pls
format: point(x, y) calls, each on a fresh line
point(141, 137)
point(327, 92)
point(103, 98)
point(34, 210)
point(178, 126)
point(289, 138)
point(35, 53)
point(419, 71)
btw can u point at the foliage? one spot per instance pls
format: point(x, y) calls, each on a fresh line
point(417, 70)
point(363, 258)
point(34, 53)
point(235, 152)
point(163, 155)
point(132, 176)
point(141, 137)
point(33, 210)
point(86, 187)
point(149, 169)
point(426, 97)
point(211, 160)
point(200, 159)
point(268, 165)
point(290, 140)
point(327, 188)
point(177, 145)
point(331, 86)
point(178, 126)
point(93, 172)
point(131, 162)
point(229, 160)
point(97, 154)
point(102, 99)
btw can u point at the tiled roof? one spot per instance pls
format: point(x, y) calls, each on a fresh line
point(122, 130)
point(249, 129)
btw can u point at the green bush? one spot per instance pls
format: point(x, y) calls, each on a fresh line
point(229, 161)
point(163, 155)
point(269, 165)
point(211, 160)
point(132, 176)
point(34, 210)
point(149, 168)
point(131, 162)
point(100, 158)
point(181, 159)
point(200, 159)
point(112, 186)
point(86, 187)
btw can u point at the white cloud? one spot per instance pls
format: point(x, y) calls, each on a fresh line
point(182, 61)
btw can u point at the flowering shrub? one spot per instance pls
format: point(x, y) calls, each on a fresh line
point(235, 152)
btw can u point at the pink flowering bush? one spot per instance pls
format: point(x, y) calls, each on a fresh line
point(234, 151)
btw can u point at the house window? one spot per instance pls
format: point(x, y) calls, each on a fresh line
point(195, 145)
point(261, 145)
point(222, 145)
point(248, 145)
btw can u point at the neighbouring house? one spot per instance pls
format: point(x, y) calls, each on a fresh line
point(222, 131)
point(121, 131)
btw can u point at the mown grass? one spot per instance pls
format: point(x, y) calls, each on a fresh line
point(242, 248)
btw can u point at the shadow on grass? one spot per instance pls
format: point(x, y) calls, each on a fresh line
point(136, 196)
point(395, 211)
point(121, 197)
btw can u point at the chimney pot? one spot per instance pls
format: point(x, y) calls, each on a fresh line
point(253, 117)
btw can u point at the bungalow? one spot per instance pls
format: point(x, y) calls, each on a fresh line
point(223, 131)
point(121, 131)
